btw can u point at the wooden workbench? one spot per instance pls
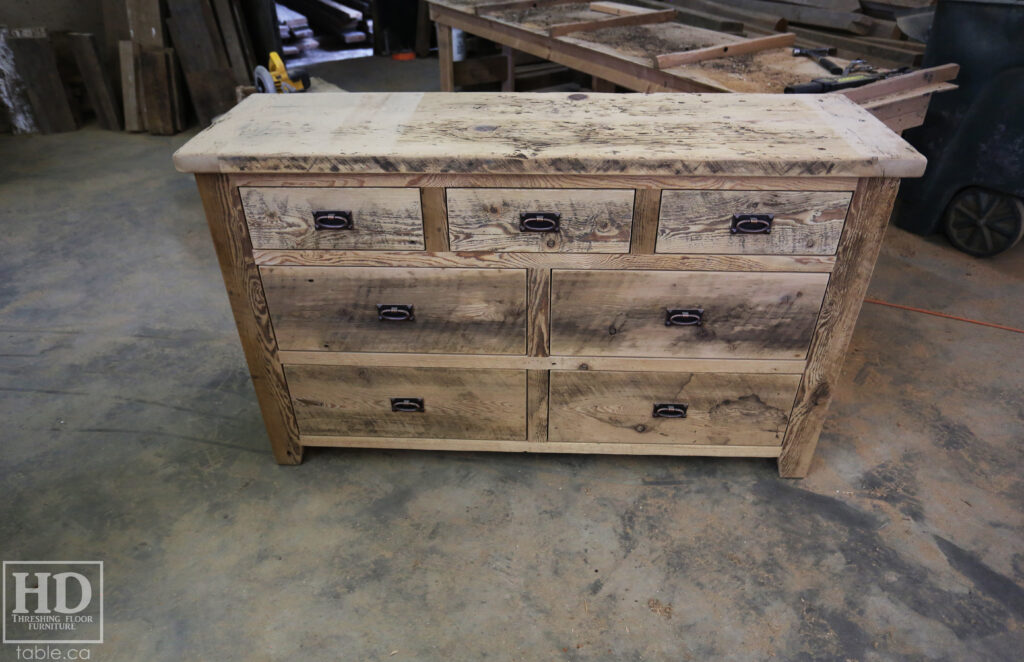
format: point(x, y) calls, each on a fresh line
point(636, 52)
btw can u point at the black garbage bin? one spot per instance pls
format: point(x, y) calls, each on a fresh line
point(973, 136)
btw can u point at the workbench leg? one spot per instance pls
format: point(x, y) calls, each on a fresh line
point(601, 85)
point(249, 305)
point(855, 260)
point(444, 57)
point(509, 84)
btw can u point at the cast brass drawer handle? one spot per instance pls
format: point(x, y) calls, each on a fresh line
point(752, 223)
point(667, 410)
point(539, 221)
point(332, 220)
point(684, 316)
point(411, 405)
point(395, 312)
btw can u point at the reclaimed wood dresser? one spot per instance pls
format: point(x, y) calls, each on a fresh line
point(666, 274)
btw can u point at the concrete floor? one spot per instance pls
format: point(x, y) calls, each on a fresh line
point(132, 436)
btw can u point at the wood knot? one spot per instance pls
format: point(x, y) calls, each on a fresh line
point(641, 428)
point(577, 97)
point(584, 366)
point(612, 330)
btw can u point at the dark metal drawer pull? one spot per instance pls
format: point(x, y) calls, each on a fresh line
point(414, 405)
point(539, 221)
point(332, 220)
point(752, 223)
point(395, 312)
point(684, 316)
point(666, 410)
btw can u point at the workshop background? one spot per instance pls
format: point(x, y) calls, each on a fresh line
point(132, 434)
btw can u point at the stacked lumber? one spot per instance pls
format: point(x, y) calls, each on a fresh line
point(296, 35)
point(343, 22)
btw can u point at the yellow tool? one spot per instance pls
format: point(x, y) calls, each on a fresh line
point(274, 77)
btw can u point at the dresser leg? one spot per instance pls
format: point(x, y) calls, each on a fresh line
point(855, 260)
point(249, 306)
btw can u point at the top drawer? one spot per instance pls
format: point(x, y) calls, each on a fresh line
point(334, 218)
point(777, 223)
point(540, 220)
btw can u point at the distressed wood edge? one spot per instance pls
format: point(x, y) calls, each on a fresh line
point(509, 260)
point(555, 181)
point(434, 207)
point(230, 235)
point(608, 448)
point(646, 216)
point(669, 60)
point(537, 404)
point(858, 250)
point(520, 362)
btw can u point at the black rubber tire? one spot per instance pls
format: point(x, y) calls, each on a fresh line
point(982, 222)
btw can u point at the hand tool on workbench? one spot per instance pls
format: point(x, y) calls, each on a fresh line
point(819, 56)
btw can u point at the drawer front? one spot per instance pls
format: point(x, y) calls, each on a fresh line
point(721, 409)
point(713, 314)
point(349, 218)
point(802, 223)
point(442, 403)
point(391, 309)
point(540, 220)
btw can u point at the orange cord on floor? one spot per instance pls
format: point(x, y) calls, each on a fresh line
point(938, 314)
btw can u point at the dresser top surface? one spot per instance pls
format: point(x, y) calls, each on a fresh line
point(551, 133)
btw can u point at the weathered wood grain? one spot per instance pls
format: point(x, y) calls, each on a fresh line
point(592, 221)
point(540, 446)
point(745, 410)
point(128, 54)
point(457, 404)
point(444, 57)
point(538, 295)
point(382, 218)
point(537, 405)
point(669, 60)
point(542, 133)
point(746, 315)
point(456, 310)
point(806, 223)
point(858, 250)
point(622, 20)
point(97, 86)
point(645, 221)
point(435, 219)
point(512, 362)
point(775, 263)
point(248, 303)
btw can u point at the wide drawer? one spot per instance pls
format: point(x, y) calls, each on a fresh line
point(440, 403)
point(540, 220)
point(338, 218)
point(684, 314)
point(648, 407)
point(766, 222)
point(391, 309)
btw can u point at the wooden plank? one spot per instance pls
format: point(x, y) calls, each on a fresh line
point(616, 22)
point(647, 208)
point(454, 310)
point(751, 19)
point(740, 48)
point(619, 407)
point(810, 15)
point(533, 363)
point(13, 92)
point(858, 250)
point(97, 87)
point(210, 82)
point(491, 7)
point(624, 313)
point(145, 26)
point(245, 292)
point(835, 5)
point(538, 297)
point(36, 66)
point(248, 51)
point(445, 57)
point(381, 218)
point(535, 133)
point(177, 89)
point(805, 223)
point(128, 54)
point(435, 219)
point(457, 404)
point(618, 8)
point(601, 85)
point(694, 262)
point(232, 41)
point(537, 405)
point(903, 83)
point(592, 221)
point(701, 450)
point(157, 105)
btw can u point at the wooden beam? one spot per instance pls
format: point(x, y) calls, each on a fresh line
point(97, 87)
point(898, 84)
point(738, 48)
point(646, 18)
point(128, 52)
